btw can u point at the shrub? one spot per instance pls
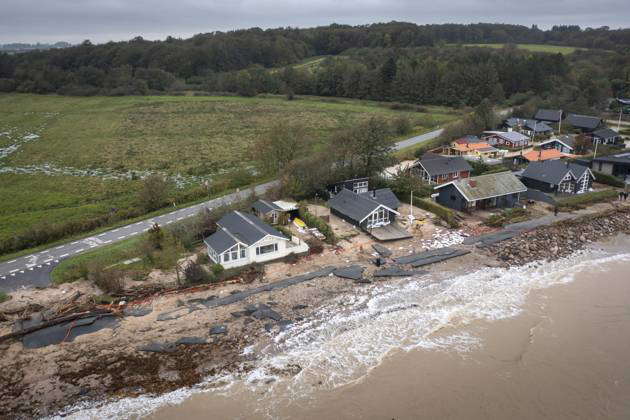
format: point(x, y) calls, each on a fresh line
point(613, 181)
point(217, 269)
point(110, 281)
point(203, 258)
point(195, 274)
point(401, 126)
point(442, 212)
point(4, 297)
point(315, 246)
point(580, 200)
point(313, 221)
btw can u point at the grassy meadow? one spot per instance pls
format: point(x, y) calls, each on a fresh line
point(554, 49)
point(188, 135)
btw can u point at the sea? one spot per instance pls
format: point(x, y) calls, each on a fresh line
point(549, 340)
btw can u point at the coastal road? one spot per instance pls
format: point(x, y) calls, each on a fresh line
point(34, 269)
point(418, 139)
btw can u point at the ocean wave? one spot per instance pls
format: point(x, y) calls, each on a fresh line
point(342, 341)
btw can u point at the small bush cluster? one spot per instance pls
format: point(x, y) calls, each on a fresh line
point(110, 281)
point(313, 221)
point(442, 212)
point(507, 216)
point(580, 200)
point(613, 181)
point(3, 297)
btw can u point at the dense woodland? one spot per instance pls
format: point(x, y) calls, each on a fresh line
point(396, 61)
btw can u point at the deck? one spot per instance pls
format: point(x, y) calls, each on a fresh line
point(390, 232)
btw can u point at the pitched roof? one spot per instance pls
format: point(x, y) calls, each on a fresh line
point(553, 171)
point(237, 226)
point(467, 139)
point(553, 115)
point(265, 206)
point(619, 158)
point(543, 154)
point(442, 165)
point(355, 206)
point(568, 141)
point(534, 125)
point(512, 136)
point(487, 186)
point(605, 133)
point(584, 121)
point(384, 196)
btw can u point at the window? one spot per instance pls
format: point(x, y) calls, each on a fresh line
point(226, 257)
point(266, 249)
point(243, 252)
point(360, 187)
point(235, 253)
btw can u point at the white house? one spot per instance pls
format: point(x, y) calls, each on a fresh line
point(242, 239)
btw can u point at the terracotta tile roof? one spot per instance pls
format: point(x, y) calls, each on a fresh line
point(541, 155)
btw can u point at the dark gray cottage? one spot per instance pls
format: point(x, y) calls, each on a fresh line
point(368, 210)
point(616, 165)
point(549, 115)
point(556, 176)
point(356, 185)
point(498, 190)
point(606, 136)
point(585, 123)
point(564, 144)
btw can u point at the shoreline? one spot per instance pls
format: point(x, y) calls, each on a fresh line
point(107, 364)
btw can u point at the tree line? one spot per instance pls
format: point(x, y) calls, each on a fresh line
point(140, 66)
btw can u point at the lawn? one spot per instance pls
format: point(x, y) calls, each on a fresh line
point(187, 135)
point(533, 47)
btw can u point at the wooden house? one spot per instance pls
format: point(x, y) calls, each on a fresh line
point(558, 177)
point(436, 169)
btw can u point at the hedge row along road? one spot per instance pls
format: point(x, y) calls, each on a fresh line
point(34, 269)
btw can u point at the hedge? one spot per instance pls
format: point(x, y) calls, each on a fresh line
point(313, 221)
point(442, 212)
point(580, 200)
point(613, 181)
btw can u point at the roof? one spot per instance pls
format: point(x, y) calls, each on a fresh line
point(265, 206)
point(355, 206)
point(467, 139)
point(605, 133)
point(584, 121)
point(469, 147)
point(487, 186)
point(568, 141)
point(619, 158)
point(509, 135)
point(220, 241)
point(241, 227)
point(543, 154)
point(553, 115)
point(384, 196)
point(286, 205)
point(442, 165)
point(553, 171)
point(534, 125)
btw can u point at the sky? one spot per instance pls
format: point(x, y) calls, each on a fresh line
point(115, 20)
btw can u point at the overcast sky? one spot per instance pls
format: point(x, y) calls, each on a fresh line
point(104, 20)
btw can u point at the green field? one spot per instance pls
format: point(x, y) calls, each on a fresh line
point(187, 135)
point(533, 47)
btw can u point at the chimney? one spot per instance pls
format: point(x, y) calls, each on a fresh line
point(472, 183)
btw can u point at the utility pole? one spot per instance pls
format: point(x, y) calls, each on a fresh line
point(595, 152)
point(619, 122)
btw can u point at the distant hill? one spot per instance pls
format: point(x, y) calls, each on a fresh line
point(17, 47)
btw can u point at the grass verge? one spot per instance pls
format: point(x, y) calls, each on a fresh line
point(581, 200)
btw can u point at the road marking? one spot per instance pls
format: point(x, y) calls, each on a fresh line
point(3, 278)
point(30, 269)
point(48, 263)
point(13, 275)
point(21, 271)
point(122, 237)
point(116, 230)
point(107, 242)
point(39, 266)
point(30, 265)
point(93, 246)
point(56, 261)
point(180, 218)
point(59, 247)
point(169, 222)
point(75, 242)
point(43, 252)
point(13, 271)
point(12, 261)
point(133, 233)
point(103, 234)
point(63, 255)
point(78, 250)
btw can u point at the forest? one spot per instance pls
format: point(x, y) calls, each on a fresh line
point(400, 62)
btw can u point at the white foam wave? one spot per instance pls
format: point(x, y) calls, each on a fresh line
point(352, 334)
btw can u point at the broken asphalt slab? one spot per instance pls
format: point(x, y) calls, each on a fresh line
point(382, 250)
point(490, 238)
point(68, 331)
point(353, 272)
point(398, 272)
point(218, 329)
point(431, 257)
point(174, 314)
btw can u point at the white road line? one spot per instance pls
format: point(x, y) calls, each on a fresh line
point(180, 218)
point(103, 234)
point(12, 261)
point(3, 278)
point(13, 271)
point(122, 237)
point(116, 230)
point(93, 246)
point(30, 269)
point(59, 247)
point(21, 271)
point(63, 255)
point(133, 233)
point(78, 250)
point(39, 266)
point(107, 242)
point(75, 242)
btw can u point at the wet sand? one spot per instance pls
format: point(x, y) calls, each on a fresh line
point(566, 355)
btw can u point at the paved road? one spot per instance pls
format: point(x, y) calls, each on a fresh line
point(418, 139)
point(34, 269)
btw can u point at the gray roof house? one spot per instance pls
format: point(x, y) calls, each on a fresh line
point(556, 176)
point(497, 190)
point(606, 136)
point(527, 126)
point(617, 165)
point(586, 123)
point(267, 210)
point(549, 115)
point(374, 211)
point(436, 169)
point(242, 238)
point(565, 144)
